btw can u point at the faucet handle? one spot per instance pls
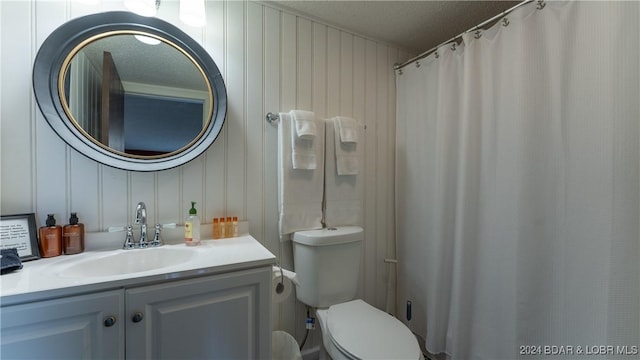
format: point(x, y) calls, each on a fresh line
point(156, 236)
point(128, 242)
point(157, 241)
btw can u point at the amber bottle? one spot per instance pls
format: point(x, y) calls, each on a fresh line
point(50, 238)
point(216, 228)
point(73, 236)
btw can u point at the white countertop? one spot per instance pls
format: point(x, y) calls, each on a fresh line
point(41, 279)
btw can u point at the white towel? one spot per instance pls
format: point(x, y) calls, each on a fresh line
point(305, 123)
point(347, 153)
point(300, 192)
point(303, 148)
point(343, 194)
point(348, 129)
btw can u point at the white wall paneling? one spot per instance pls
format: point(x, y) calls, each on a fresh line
point(271, 60)
point(255, 126)
point(17, 108)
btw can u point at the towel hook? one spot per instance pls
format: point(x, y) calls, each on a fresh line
point(272, 118)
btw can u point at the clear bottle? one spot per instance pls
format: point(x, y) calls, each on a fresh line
point(73, 236)
point(50, 238)
point(229, 227)
point(192, 227)
point(216, 228)
point(234, 226)
point(223, 228)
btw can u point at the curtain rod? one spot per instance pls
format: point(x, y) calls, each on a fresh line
point(541, 4)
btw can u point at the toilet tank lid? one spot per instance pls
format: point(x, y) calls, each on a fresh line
point(329, 236)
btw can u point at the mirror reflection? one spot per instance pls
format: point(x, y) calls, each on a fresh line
point(136, 94)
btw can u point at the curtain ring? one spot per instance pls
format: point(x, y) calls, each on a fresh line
point(505, 22)
point(453, 46)
point(541, 4)
point(478, 34)
point(437, 55)
point(399, 71)
point(417, 64)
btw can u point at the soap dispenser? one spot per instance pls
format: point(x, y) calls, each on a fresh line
point(192, 227)
point(50, 238)
point(73, 236)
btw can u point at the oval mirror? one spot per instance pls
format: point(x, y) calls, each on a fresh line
point(131, 92)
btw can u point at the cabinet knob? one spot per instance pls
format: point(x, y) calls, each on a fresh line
point(110, 321)
point(137, 317)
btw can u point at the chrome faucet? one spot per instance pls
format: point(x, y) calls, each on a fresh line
point(141, 218)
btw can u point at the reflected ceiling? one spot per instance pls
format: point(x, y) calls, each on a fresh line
point(135, 59)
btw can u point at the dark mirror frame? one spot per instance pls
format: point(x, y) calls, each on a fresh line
point(48, 66)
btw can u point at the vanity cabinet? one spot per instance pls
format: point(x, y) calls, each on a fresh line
point(219, 317)
point(73, 327)
point(223, 316)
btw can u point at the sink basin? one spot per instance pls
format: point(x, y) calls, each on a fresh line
point(128, 262)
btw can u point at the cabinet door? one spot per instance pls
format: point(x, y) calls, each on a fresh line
point(217, 317)
point(77, 327)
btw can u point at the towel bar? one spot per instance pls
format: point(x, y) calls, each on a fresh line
point(272, 118)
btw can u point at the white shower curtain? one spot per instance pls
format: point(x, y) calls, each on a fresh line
point(518, 187)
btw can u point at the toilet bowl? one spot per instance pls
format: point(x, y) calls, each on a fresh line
point(327, 265)
point(357, 330)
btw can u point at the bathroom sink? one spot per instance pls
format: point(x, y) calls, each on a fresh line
point(122, 262)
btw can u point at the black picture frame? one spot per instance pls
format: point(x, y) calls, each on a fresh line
point(19, 231)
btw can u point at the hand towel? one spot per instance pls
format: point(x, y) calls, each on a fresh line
point(300, 192)
point(9, 260)
point(344, 195)
point(347, 154)
point(303, 148)
point(348, 129)
point(305, 123)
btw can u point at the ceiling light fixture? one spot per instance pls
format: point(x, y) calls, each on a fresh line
point(192, 12)
point(142, 7)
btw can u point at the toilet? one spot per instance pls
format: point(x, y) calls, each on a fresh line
point(327, 264)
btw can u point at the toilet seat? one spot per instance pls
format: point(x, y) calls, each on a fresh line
point(360, 331)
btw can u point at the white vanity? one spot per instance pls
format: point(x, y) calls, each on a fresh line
point(207, 302)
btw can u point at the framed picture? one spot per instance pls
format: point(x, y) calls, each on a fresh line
point(19, 231)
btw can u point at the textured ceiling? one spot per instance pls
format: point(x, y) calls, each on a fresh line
point(136, 62)
point(416, 26)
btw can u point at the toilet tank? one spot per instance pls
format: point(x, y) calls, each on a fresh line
point(327, 264)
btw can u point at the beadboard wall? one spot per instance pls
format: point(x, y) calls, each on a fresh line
point(271, 61)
